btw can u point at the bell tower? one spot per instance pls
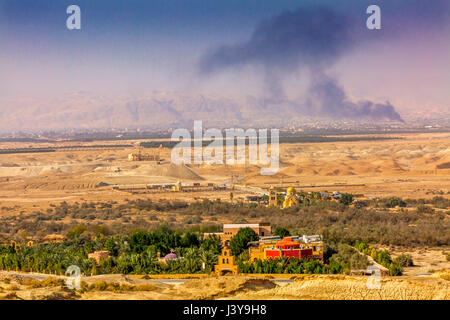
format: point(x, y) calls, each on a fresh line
point(273, 199)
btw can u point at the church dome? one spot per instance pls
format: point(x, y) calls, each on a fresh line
point(171, 256)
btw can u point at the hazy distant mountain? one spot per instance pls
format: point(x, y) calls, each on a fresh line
point(152, 110)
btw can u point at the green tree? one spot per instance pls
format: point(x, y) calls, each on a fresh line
point(189, 239)
point(112, 247)
point(212, 243)
point(346, 198)
point(281, 232)
point(240, 241)
point(335, 267)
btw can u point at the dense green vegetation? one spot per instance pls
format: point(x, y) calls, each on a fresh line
point(133, 254)
point(382, 257)
point(290, 266)
point(133, 232)
point(137, 253)
point(239, 243)
point(349, 258)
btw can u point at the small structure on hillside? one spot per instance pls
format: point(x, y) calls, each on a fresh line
point(139, 156)
point(177, 187)
point(226, 263)
point(143, 157)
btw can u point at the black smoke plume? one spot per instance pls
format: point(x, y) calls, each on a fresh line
point(308, 38)
point(326, 96)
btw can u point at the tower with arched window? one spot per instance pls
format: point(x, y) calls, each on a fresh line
point(226, 263)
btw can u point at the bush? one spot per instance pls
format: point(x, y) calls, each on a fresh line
point(404, 260)
point(395, 269)
point(394, 202)
point(346, 198)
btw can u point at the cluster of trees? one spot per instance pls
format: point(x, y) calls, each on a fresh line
point(50, 258)
point(338, 222)
point(349, 258)
point(290, 266)
point(382, 257)
point(137, 253)
point(129, 254)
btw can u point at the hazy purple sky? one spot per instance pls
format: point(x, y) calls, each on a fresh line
point(136, 46)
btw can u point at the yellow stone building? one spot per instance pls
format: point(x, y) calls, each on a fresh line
point(257, 249)
point(291, 198)
point(177, 187)
point(226, 263)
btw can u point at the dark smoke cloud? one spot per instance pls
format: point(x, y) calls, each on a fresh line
point(326, 96)
point(309, 38)
point(313, 37)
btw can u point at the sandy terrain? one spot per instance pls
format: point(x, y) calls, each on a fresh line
point(316, 287)
point(415, 166)
point(426, 260)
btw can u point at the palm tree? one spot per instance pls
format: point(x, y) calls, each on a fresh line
point(208, 259)
point(191, 253)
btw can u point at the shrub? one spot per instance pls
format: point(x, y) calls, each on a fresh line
point(346, 198)
point(395, 269)
point(394, 202)
point(404, 260)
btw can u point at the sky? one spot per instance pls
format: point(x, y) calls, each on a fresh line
point(136, 46)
